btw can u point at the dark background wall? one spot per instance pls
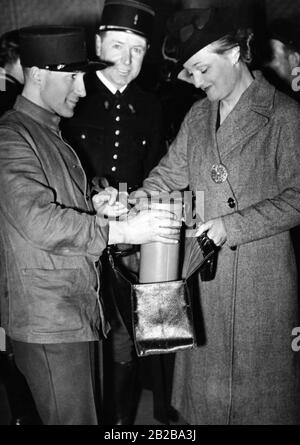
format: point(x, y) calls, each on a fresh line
point(281, 8)
point(18, 13)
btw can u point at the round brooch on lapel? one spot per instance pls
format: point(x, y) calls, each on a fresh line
point(219, 173)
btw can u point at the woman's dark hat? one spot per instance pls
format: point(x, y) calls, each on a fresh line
point(128, 15)
point(197, 28)
point(56, 48)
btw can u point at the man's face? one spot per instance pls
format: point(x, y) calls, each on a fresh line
point(281, 60)
point(60, 92)
point(126, 51)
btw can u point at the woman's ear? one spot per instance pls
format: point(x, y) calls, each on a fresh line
point(98, 45)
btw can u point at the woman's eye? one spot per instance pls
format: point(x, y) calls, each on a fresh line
point(202, 70)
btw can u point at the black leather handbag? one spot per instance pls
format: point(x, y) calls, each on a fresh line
point(159, 316)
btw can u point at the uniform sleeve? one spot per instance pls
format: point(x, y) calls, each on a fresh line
point(29, 205)
point(172, 171)
point(278, 213)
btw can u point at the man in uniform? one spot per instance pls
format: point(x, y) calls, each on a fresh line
point(51, 237)
point(117, 133)
point(11, 84)
point(117, 127)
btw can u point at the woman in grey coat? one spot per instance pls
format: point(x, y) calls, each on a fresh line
point(241, 147)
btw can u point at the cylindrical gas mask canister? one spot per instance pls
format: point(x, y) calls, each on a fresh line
point(160, 261)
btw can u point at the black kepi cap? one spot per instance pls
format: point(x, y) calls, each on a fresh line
point(128, 15)
point(56, 48)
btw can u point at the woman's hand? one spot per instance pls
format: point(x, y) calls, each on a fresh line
point(215, 229)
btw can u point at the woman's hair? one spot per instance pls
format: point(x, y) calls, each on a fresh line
point(9, 48)
point(244, 38)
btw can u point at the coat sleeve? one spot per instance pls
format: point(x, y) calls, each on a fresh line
point(172, 171)
point(28, 204)
point(282, 211)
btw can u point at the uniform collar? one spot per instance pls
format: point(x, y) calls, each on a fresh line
point(109, 85)
point(37, 113)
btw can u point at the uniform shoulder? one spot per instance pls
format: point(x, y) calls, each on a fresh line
point(13, 126)
point(11, 119)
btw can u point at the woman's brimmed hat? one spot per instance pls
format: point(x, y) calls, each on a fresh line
point(196, 28)
point(56, 48)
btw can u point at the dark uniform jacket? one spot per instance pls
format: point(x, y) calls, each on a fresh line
point(116, 136)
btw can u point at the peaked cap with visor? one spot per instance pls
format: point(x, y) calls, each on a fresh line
point(56, 48)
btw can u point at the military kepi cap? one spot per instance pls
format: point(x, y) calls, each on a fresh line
point(128, 15)
point(56, 48)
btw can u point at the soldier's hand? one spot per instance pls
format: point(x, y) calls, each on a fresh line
point(146, 227)
point(106, 203)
